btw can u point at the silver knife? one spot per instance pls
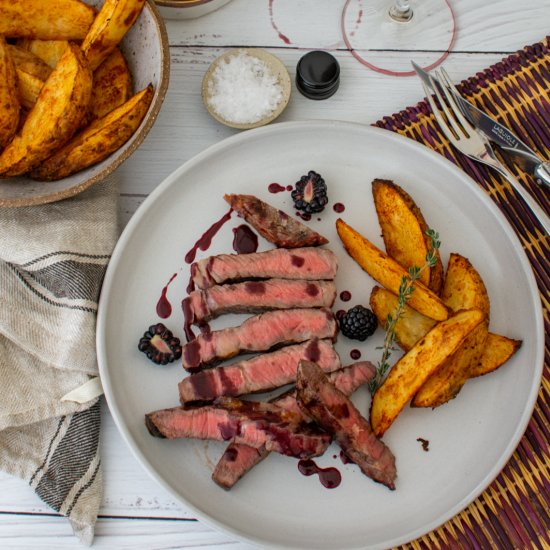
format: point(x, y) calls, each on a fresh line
point(521, 153)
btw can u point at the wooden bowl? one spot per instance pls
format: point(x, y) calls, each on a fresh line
point(276, 67)
point(188, 9)
point(147, 52)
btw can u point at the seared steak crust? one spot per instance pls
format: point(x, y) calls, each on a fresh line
point(259, 333)
point(260, 373)
point(255, 297)
point(299, 263)
point(274, 225)
point(334, 412)
point(238, 458)
point(256, 424)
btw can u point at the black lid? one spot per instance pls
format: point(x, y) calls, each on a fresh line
point(318, 75)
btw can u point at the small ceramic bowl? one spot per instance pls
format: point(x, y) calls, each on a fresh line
point(147, 52)
point(188, 9)
point(275, 66)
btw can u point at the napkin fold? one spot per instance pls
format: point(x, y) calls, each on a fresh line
point(52, 261)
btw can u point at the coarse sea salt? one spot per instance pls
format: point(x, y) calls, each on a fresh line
point(243, 90)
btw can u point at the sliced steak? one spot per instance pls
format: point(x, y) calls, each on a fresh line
point(256, 424)
point(255, 297)
point(260, 373)
point(238, 458)
point(335, 413)
point(259, 333)
point(274, 225)
point(299, 263)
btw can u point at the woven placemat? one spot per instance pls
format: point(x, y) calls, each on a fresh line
point(514, 512)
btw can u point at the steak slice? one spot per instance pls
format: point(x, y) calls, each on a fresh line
point(259, 333)
point(261, 373)
point(239, 458)
point(335, 413)
point(299, 263)
point(255, 297)
point(256, 424)
point(274, 225)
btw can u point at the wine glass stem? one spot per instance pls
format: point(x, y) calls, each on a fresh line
point(401, 11)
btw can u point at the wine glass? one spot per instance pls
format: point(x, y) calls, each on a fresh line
point(373, 29)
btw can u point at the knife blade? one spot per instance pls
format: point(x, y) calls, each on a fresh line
point(525, 157)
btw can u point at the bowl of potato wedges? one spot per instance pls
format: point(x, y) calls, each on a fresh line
point(81, 85)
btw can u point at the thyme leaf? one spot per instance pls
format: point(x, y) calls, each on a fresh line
point(406, 288)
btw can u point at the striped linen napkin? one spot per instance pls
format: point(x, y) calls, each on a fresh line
point(52, 262)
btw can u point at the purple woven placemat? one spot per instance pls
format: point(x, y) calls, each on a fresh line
point(514, 511)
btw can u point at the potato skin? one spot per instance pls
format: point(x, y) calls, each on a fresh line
point(97, 141)
point(57, 114)
point(9, 102)
point(109, 27)
point(404, 231)
point(59, 20)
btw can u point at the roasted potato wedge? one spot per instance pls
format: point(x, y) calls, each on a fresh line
point(32, 72)
point(9, 97)
point(57, 114)
point(109, 27)
point(388, 272)
point(98, 140)
point(112, 85)
point(497, 350)
point(464, 289)
point(49, 51)
point(410, 327)
point(404, 231)
point(417, 365)
point(59, 20)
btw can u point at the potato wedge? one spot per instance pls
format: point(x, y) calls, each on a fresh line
point(388, 272)
point(464, 289)
point(9, 97)
point(112, 85)
point(410, 327)
point(109, 27)
point(59, 20)
point(32, 72)
point(57, 114)
point(404, 231)
point(98, 140)
point(418, 364)
point(49, 51)
point(445, 384)
point(497, 350)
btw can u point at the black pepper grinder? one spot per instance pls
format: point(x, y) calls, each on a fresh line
point(318, 75)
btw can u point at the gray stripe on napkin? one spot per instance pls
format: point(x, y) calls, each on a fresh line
point(72, 457)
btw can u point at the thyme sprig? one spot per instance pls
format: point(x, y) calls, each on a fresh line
point(406, 288)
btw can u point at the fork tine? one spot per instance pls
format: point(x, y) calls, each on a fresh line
point(450, 92)
point(458, 131)
point(438, 117)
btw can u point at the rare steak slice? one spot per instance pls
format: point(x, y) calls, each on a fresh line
point(263, 372)
point(256, 424)
point(274, 225)
point(255, 297)
point(259, 333)
point(239, 458)
point(335, 413)
point(299, 263)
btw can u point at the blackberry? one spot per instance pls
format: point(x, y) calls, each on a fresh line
point(358, 323)
point(160, 345)
point(310, 193)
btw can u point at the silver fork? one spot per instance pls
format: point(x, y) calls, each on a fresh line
point(469, 141)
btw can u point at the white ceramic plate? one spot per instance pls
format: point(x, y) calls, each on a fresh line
point(470, 438)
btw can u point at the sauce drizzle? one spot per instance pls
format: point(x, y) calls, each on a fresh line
point(205, 240)
point(329, 477)
point(245, 240)
point(164, 307)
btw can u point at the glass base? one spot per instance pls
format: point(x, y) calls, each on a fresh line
point(371, 34)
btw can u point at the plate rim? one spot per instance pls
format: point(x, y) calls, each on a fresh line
point(331, 125)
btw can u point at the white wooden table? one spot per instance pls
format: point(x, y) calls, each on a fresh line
point(136, 512)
